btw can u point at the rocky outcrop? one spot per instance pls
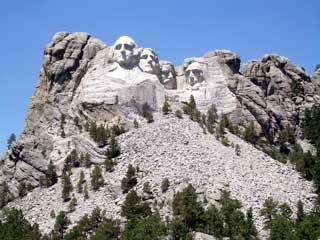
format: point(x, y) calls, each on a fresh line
point(178, 149)
point(275, 92)
point(83, 80)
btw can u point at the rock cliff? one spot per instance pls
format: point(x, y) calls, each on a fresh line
point(83, 80)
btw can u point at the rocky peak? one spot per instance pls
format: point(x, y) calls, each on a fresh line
point(83, 80)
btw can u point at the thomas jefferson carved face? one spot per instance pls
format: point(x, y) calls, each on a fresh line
point(124, 51)
point(168, 75)
point(194, 73)
point(149, 61)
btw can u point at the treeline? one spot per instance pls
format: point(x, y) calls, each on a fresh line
point(223, 220)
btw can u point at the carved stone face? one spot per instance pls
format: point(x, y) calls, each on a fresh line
point(168, 75)
point(124, 50)
point(149, 62)
point(194, 73)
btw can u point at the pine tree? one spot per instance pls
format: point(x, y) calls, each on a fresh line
point(146, 113)
point(51, 177)
point(66, 186)
point(130, 180)
point(250, 231)
point(113, 149)
point(11, 139)
point(85, 192)
point(87, 160)
point(269, 211)
point(133, 208)
point(72, 204)
point(250, 134)
point(300, 212)
point(97, 180)
point(61, 224)
point(212, 117)
point(166, 107)
point(80, 182)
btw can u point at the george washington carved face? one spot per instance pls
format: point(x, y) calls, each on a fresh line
point(124, 51)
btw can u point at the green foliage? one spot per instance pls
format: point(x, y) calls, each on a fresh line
point(186, 205)
point(99, 134)
point(72, 204)
point(147, 188)
point(250, 134)
point(234, 219)
point(11, 139)
point(16, 227)
point(113, 149)
point(109, 164)
point(51, 177)
point(61, 224)
point(177, 229)
point(297, 88)
point(178, 114)
point(212, 117)
point(130, 180)
point(214, 222)
point(165, 184)
point(97, 180)
point(147, 113)
point(281, 228)
point(81, 182)
point(190, 108)
point(287, 135)
point(133, 208)
point(66, 186)
point(85, 192)
point(148, 228)
point(166, 108)
point(268, 211)
point(71, 161)
point(109, 229)
point(87, 160)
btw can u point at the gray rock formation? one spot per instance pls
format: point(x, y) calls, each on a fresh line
point(84, 80)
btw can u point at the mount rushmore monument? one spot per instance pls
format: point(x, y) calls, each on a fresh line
point(84, 79)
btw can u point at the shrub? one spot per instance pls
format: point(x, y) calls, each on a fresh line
point(51, 177)
point(130, 180)
point(97, 180)
point(146, 113)
point(165, 185)
point(66, 186)
point(166, 107)
point(179, 114)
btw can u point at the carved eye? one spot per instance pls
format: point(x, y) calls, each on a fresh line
point(118, 47)
point(196, 72)
point(187, 73)
point(144, 56)
point(128, 47)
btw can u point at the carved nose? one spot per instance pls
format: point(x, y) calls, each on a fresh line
point(170, 75)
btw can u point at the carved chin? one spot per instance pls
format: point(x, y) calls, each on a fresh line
point(148, 68)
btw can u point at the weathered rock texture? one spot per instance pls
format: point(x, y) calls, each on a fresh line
point(178, 149)
point(84, 80)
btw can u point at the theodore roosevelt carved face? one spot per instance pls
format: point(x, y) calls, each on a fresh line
point(168, 75)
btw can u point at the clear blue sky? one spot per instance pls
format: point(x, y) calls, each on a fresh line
point(175, 29)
